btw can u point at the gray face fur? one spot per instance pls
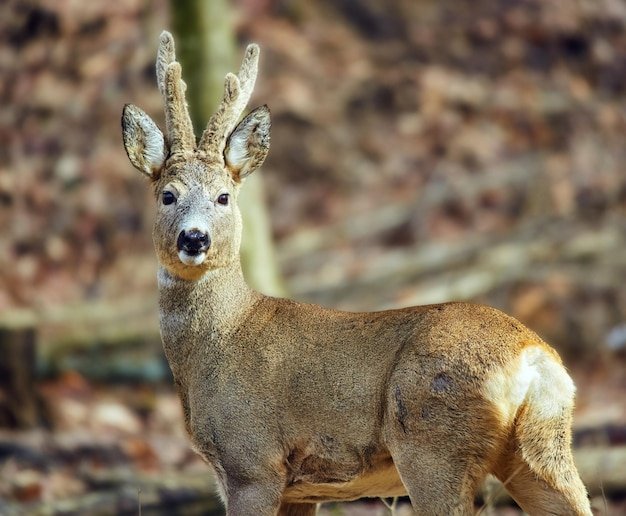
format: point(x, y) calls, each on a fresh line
point(197, 186)
point(195, 176)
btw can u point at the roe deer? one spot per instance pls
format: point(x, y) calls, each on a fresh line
point(294, 404)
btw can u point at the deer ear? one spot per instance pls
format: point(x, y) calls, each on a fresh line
point(249, 143)
point(143, 141)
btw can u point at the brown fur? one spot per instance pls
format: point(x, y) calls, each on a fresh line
point(294, 404)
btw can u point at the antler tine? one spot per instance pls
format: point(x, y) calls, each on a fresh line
point(247, 78)
point(165, 55)
point(237, 93)
point(169, 78)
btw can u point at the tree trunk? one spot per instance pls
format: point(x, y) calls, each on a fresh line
point(19, 404)
point(206, 49)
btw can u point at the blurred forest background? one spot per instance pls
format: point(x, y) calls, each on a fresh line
point(422, 151)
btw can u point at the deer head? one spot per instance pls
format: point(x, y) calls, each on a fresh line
point(198, 222)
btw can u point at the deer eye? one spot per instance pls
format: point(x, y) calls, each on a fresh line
point(223, 199)
point(168, 198)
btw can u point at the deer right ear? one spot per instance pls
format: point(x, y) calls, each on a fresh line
point(143, 140)
point(249, 143)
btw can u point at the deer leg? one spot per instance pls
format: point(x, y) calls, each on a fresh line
point(253, 499)
point(436, 484)
point(547, 492)
point(441, 449)
point(297, 509)
point(537, 465)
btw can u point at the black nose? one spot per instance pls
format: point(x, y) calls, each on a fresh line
point(193, 242)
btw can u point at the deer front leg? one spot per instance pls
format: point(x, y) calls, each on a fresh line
point(260, 498)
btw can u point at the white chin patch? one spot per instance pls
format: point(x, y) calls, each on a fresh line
point(188, 259)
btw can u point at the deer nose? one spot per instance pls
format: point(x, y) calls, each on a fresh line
point(193, 242)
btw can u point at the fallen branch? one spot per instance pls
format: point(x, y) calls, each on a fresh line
point(132, 494)
point(443, 272)
point(517, 174)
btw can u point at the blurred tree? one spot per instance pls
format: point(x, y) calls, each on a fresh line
point(19, 406)
point(206, 49)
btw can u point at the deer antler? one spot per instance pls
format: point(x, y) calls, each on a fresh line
point(237, 92)
point(179, 129)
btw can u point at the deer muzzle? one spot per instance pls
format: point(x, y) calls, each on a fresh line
point(192, 246)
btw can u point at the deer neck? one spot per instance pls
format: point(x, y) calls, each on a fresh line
point(198, 316)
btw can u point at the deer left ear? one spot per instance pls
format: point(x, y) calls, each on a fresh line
point(143, 141)
point(249, 143)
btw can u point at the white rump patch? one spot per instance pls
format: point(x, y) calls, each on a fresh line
point(552, 388)
point(537, 379)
